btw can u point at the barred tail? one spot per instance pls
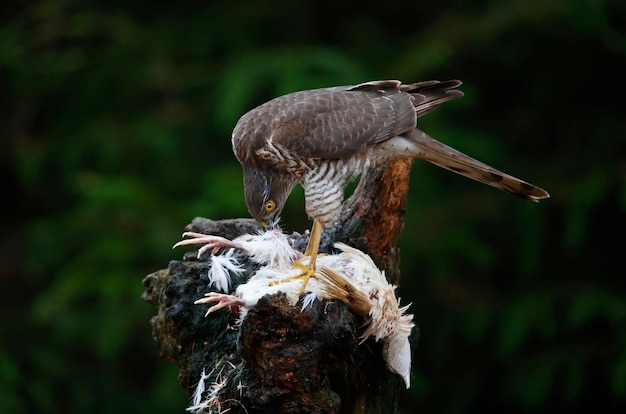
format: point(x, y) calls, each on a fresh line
point(446, 157)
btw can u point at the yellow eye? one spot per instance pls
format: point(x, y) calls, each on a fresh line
point(269, 206)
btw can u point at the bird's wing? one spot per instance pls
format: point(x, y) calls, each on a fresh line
point(339, 122)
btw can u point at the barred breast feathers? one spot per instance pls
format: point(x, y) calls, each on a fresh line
point(324, 187)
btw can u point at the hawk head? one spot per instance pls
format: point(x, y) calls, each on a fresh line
point(266, 192)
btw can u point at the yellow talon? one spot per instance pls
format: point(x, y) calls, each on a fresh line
point(311, 250)
point(307, 273)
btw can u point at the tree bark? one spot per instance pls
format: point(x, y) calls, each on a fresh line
point(279, 359)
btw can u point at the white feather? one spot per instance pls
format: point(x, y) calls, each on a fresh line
point(221, 268)
point(308, 300)
point(271, 248)
point(197, 394)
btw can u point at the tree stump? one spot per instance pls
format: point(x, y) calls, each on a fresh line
point(279, 359)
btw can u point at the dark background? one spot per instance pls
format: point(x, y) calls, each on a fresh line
point(116, 119)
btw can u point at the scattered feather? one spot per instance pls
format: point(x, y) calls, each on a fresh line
point(307, 300)
point(222, 267)
point(197, 395)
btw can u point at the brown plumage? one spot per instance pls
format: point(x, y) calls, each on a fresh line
point(322, 138)
point(343, 130)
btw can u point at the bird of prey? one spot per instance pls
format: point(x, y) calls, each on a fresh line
point(322, 138)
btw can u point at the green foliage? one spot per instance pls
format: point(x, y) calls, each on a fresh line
point(116, 133)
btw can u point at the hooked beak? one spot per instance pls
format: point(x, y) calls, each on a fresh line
point(270, 225)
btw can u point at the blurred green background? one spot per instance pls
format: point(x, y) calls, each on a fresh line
point(116, 119)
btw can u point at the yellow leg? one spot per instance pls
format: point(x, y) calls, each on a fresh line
point(313, 246)
point(312, 249)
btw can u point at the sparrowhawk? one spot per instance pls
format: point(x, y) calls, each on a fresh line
point(322, 138)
